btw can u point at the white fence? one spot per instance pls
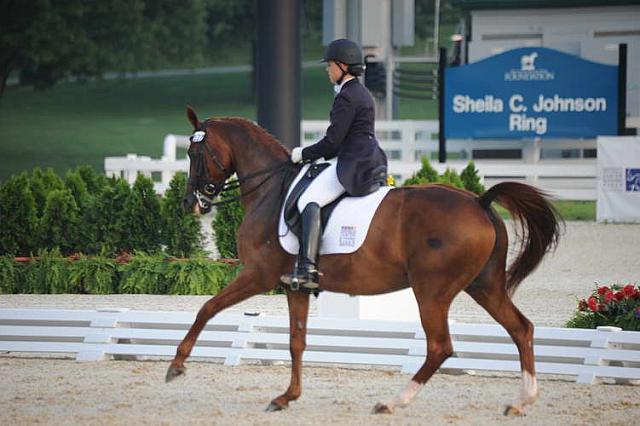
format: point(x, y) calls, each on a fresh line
point(405, 142)
point(587, 355)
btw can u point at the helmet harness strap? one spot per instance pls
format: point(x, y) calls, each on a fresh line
point(344, 72)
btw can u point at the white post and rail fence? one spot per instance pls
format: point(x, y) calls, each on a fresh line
point(95, 335)
point(406, 142)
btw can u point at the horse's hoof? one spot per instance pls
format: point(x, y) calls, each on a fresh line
point(512, 410)
point(174, 372)
point(274, 406)
point(381, 408)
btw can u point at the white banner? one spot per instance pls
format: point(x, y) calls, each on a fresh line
point(618, 179)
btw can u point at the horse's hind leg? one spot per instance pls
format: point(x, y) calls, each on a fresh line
point(298, 313)
point(489, 291)
point(433, 314)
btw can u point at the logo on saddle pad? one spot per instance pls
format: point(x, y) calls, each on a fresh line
point(347, 236)
point(347, 227)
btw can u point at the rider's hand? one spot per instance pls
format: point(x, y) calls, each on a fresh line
point(296, 155)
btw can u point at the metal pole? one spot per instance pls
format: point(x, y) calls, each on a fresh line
point(436, 26)
point(278, 69)
point(390, 65)
point(622, 89)
point(442, 141)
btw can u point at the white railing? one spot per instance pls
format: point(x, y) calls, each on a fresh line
point(584, 354)
point(405, 142)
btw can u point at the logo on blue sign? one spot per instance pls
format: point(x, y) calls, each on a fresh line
point(632, 178)
point(531, 92)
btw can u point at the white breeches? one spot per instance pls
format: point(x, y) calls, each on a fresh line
point(324, 189)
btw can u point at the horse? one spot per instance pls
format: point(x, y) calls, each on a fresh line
point(436, 239)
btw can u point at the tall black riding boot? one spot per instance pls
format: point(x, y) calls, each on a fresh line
point(305, 272)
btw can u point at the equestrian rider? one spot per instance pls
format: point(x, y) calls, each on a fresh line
point(357, 163)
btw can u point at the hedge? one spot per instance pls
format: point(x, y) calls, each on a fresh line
point(87, 213)
point(468, 179)
point(52, 273)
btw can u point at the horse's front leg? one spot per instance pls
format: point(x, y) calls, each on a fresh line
point(246, 284)
point(298, 313)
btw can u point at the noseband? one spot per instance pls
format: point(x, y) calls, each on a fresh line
point(205, 187)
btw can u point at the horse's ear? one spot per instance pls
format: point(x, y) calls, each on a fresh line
point(193, 118)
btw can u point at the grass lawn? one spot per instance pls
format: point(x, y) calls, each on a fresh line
point(75, 123)
point(569, 210)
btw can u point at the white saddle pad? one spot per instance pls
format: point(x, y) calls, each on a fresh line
point(347, 227)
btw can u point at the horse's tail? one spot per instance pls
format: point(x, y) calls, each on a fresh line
point(539, 228)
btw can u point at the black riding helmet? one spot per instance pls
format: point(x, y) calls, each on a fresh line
point(348, 52)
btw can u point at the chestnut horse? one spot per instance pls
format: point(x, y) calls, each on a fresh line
point(436, 239)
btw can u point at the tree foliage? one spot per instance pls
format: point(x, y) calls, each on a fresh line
point(180, 230)
point(59, 223)
point(141, 217)
point(17, 217)
point(45, 41)
point(468, 179)
point(225, 226)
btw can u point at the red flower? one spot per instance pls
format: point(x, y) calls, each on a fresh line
point(629, 290)
point(608, 296)
point(592, 304)
point(583, 305)
point(602, 290)
point(619, 296)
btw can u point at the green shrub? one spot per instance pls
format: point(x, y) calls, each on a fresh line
point(450, 177)
point(144, 274)
point(181, 233)
point(95, 183)
point(471, 179)
point(196, 276)
point(615, 305)
point(111, 222)
point(95, 275)
point(426, 174)
point(59, 223)
point(49, 274)
point(9, 275)
point(85, 226)
point(41, 184)
point(142, 217)
point(226, 222)
point(17, 217)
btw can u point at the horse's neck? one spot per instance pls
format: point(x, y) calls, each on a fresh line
point(253, 157)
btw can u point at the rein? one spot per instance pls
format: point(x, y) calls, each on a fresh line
point(234, 184)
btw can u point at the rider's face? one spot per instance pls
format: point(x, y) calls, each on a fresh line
point(334, 71)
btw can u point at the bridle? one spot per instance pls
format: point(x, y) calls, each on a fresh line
point(206, 188)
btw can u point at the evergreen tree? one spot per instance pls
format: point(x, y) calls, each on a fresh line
point(41, 183)
point(86, 232)
point(18, 217)
point(142, 217)
point(225, 226)
point(107, 211)
point(471, 179)
point(426, 174)
point(450, 177)
point(181, 230)
point(59, 222)
point(94, 182)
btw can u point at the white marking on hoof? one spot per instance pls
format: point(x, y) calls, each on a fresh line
point(528, 395)
point(406, 396)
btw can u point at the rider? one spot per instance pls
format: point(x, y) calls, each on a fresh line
point(357, 163)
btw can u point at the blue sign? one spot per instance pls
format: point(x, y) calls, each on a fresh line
point(531, 92)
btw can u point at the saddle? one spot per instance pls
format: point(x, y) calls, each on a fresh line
point(290, 228)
